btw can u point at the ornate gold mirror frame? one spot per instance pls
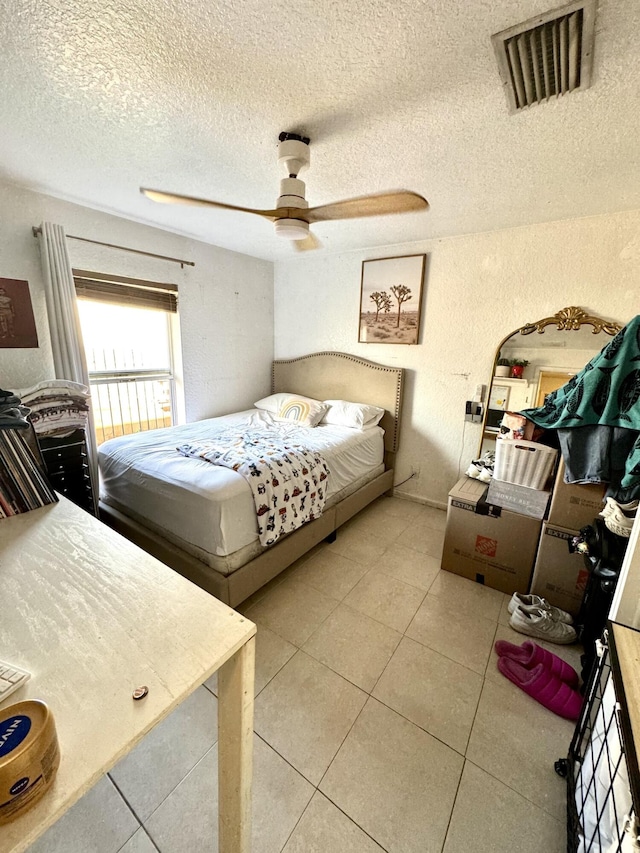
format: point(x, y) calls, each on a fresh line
point(570, 319)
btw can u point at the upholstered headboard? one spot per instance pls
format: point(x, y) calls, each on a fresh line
point(340, 376)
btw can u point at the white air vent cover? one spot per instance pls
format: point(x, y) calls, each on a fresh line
point(548, 55)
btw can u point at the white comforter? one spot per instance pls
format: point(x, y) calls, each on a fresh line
point(207, 506)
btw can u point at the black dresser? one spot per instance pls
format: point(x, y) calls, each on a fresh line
point(67, 464)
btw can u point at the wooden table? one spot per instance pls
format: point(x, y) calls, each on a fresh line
point(92, 617)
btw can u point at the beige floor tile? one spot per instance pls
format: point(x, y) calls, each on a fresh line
point(386, 527)
point(462, 637)
point(489, 816)
point(435, 693)
point(359, 545)
point(409, 566)
point(164, 757)
point(293, 610)
point(390, 507)
point(430, 516)
point(570, 654)
point(325, 829)
point(516, 740)
point(331, 573)
point(395, 781)
point(386, 599)
point(101, 822)
point(504, 616)
point(187, 820)
point(467, 596)
point(272, 652)
point(305, 712)
point(260, 593)
point(425, 539)
point(139, 843)
point(353, 645)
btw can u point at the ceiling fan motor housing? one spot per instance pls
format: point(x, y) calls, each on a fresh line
point(294, 154)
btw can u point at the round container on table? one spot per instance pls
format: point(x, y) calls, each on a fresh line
point(29, 756)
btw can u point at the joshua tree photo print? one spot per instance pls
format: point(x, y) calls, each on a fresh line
point(390, 300)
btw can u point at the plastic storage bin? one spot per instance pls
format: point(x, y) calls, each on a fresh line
point(525, 463)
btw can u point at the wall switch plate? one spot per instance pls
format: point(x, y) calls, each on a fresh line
point(473, 412)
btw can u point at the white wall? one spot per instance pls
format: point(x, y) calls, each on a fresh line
point(225, 301)
point(478, 289)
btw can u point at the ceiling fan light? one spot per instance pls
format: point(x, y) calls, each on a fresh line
point(292, 229)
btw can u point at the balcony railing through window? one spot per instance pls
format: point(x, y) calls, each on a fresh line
point(126, 402)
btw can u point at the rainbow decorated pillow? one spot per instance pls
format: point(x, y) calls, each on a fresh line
point(302, 410)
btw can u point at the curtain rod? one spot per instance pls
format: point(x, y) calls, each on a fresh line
point(37, 230)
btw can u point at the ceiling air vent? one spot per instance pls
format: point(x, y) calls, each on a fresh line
point(548, 55)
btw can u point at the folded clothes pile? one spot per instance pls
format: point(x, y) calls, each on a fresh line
point(619, 517)
point(58, 406)
point(12, 414)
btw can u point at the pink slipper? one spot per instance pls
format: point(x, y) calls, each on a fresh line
point(530, 654)
point(543, 686)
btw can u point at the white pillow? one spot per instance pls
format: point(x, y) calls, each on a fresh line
point(354, 415)
point(302, 410)
point(274, 402)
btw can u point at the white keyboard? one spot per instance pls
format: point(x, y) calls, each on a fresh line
point(11, 677)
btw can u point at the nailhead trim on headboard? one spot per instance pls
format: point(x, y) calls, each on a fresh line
point(399, 372)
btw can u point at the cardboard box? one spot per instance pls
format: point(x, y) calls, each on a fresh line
point(573, 506)
point(559, 576)
point(486, 543)
point(522, 499)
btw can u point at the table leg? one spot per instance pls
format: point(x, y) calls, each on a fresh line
point(235, 750)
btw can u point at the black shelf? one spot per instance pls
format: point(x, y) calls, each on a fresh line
point(67, 464)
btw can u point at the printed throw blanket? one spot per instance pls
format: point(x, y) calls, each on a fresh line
point(605, 392)
point(288, 481)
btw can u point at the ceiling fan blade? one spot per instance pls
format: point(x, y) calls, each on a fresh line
point(400, 201)
point(310, 242)
point(173, 198)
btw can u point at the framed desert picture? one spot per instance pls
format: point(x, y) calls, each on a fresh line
point(390, 300)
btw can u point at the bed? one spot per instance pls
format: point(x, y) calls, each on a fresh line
point(194, 516)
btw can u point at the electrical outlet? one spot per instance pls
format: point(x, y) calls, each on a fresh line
point(415, 471)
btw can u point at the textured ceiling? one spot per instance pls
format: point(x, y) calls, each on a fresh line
point(97, 98)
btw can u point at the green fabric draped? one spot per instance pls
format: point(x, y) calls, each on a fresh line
point(605, 392)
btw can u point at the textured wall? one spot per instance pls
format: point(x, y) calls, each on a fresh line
point(478, 289)
point(226, 300)
point(190, 96)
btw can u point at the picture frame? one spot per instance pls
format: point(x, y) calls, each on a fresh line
point(17, 323)
point(387, 284)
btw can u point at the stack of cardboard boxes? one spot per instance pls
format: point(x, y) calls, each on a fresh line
point(508, 536)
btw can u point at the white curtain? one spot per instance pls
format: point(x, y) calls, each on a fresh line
point(64, 324)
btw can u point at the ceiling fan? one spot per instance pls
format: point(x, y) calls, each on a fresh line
point(292, 215)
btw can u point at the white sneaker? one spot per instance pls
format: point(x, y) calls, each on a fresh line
point(474, 470)
point(534, 602)
point(619, 523)
point(540, 624)
point(613, 506)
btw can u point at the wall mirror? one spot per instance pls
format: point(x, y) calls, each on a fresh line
point(550, 351)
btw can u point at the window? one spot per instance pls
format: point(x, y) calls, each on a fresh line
point(128, 327)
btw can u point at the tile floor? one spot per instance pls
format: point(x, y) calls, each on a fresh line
point(381, 721)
